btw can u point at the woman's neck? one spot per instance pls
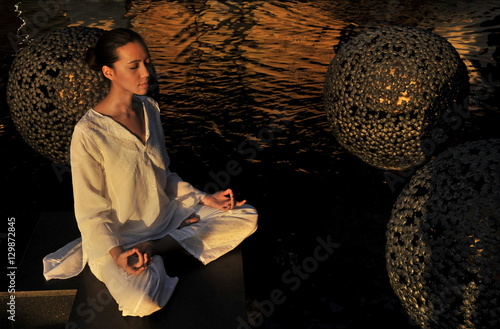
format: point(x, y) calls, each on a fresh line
point(116, 103)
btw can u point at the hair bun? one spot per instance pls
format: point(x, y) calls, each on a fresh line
point(90, 58)
point(104, 52)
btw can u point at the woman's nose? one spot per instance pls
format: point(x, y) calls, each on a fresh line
point(151, 70)
point(144, 71)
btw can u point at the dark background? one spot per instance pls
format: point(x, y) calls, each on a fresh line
point(303, 183)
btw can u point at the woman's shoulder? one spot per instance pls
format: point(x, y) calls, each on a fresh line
point(90, 124)
point(87, 120)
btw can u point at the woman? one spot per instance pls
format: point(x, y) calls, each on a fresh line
point(128, 205)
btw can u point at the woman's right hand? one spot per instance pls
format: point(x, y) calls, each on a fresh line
point(133, 261)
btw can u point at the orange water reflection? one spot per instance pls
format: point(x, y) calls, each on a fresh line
point(230, 67)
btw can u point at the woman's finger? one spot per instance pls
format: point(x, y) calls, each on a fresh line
point(136, 271)
point(140, 261)
point(135, 258)
point(230, 198)
point(130, 252)
point(241, 203)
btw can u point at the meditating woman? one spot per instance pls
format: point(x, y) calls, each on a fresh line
point(128, 205)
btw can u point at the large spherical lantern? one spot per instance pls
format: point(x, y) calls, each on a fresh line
point(50, 87)
point(443, 240)
point(393, 95)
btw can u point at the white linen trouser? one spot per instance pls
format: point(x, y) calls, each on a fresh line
point(215, 234)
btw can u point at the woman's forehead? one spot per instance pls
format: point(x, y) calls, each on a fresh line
point(132, 51)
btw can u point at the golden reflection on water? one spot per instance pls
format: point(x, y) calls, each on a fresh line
point(468, 25)
point(230, 67)
point(241, 62)
point(105, 15)
point(291, 45)
point(227, 62)
point(286, 44)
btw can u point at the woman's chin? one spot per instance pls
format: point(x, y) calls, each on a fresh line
point(142, 92)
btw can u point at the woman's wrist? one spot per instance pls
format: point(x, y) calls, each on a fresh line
point(202, 201)
point(115, 252)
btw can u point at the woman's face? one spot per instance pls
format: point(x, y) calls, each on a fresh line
point(130, 72)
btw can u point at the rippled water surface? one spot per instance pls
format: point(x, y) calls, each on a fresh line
point(243, 81)
point(233, 68)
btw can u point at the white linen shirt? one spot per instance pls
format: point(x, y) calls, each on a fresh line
point(123, 190)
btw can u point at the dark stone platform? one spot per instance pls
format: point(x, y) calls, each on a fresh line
point(206, 297)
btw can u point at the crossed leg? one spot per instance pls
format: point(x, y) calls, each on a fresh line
point(214, 234)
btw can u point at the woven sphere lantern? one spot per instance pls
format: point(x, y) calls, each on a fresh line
point(443, 240)
point(50, 87)
point(390, 95)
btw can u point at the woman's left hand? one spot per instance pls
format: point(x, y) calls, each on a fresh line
point(222, 200)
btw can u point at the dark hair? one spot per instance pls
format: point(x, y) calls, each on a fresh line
point(104, 52)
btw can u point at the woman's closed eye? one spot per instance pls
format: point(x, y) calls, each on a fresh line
point(147, 63)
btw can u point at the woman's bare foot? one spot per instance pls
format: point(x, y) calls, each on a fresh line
point(158, 247)
point(193, 218)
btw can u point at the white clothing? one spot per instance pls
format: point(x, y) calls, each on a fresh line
point(136, 295)
point(217, 232)
point(123, 189)
point(125, 194)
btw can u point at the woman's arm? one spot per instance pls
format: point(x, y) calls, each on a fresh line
point(182, 191)
point(92, 209)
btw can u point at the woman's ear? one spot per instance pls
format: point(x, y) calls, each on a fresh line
point(108, 72)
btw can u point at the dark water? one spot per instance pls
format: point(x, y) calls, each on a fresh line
point(241, 82)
